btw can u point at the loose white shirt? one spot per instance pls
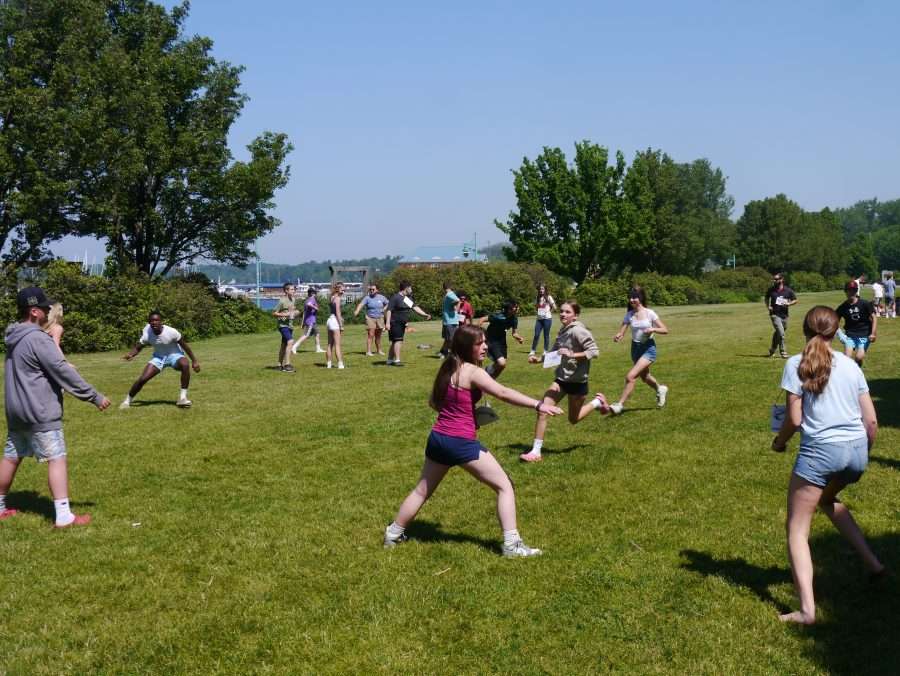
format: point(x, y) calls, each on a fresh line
point(165, 343)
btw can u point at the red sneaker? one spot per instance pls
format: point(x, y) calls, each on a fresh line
point(80, 520)
point(6, 513)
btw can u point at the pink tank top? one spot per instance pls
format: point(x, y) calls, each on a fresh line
point(457, 416)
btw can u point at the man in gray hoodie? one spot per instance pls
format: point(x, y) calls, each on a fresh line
point(36, 373)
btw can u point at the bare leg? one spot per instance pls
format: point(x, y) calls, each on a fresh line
point(150, 372)
point(498, 367)
point(8, 468)
point(843, 520)
point(551, 397)
point(370, 338)
point(803, 497)
point(397, 347)
point(58, 478)
point(185, 367)
point(488, 471)
point(339, 355)
point(378, 333)
point(432, 475)
point(860, 356)
point(329, 349)
point(281, 351)
point(578, 410)
point(637, 371)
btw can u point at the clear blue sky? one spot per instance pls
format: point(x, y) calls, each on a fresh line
point(407, 117)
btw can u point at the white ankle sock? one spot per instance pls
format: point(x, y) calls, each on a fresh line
point(536, 447)
point(511, 537)
point(64, 515)
point(595, 402)
point(184, 393)
point(395, 531)
point(127, 399)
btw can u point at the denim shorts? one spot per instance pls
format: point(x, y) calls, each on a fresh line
point(447, 450)
point(646, 350)
point(170, 360)
point(819, 463)
point(42, 446)
point(856, 342)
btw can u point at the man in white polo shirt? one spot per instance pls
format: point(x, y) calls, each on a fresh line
point(169, 349)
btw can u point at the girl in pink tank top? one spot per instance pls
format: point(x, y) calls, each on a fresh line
point(453, 440)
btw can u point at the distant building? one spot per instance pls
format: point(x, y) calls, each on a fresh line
point(437, 256)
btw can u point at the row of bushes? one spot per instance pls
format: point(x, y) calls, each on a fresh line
point(722, 286)
point(103, 313)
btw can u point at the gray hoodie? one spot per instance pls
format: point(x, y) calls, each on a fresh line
point(577, 338)
point(35, 376)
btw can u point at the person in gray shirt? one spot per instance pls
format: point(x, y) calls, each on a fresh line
point(36, 373)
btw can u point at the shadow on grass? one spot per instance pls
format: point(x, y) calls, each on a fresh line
point(430, 531)
point(887, 462)
point(758, 356)
point(152, 402)
point(36, 503)
point(887, 403)
point(862, 635)
point(518, 449)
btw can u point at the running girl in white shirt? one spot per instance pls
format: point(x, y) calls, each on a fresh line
point(644, 323)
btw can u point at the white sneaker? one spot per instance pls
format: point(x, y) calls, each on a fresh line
point(370, 354)
point(616, 409)
point(661, 395)
point(340, 364)
point(531, 354)
point(391, 541)
point(125, 405)
point(520, 549)
point(320, 350)
point(328, 365)
point(183, 402)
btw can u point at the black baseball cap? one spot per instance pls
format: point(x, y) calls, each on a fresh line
point(33, 296)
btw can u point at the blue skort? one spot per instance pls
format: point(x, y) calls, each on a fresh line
point(643, 350)
point(452, 451)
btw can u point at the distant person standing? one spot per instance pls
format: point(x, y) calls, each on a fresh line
point(878, 297)
point(465, 312)
point(449, 318)
point(335, 326)
point(860, 323)
point(890, 289)
point(396, 317)
point(35, 376)
point(375, 305)
point(310, 316)
point(285, 311)
point(545, 306)
point(778, 299)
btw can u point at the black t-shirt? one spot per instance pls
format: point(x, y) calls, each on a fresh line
point(498, 324)
point(857, 317)
point(399, 307)
point(777, 299)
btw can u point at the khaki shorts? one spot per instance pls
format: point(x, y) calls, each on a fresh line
point(372, 324)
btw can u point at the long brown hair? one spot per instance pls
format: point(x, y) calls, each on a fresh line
point(462, 350)
point(819, 326)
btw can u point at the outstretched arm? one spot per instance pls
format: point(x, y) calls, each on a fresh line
point(419, 311)
point(131, 354)
point(488, 385)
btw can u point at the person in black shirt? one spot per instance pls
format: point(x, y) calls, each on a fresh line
point(860, 323)
point(778, 299)
point(497, 326)
point(395, 318)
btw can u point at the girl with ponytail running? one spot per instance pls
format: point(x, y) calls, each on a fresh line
point(453, 441)
point(828, 399)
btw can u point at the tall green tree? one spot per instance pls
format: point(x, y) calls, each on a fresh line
point(568, 215)
point(132, 147)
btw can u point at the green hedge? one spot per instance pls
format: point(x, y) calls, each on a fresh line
point(487, 284)
point(103, 313)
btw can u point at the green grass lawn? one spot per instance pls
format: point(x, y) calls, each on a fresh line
point(244, 534)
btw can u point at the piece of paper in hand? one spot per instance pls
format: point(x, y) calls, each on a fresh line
point(552, 359)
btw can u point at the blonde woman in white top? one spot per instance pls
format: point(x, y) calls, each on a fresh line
point(644, 323)
point(54, 327)
point(546, 306)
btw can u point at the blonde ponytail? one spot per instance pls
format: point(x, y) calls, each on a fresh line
point(819, 327)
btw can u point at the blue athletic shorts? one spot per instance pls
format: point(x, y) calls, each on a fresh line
point(170, 360)
point(855, 342)
point(818, 463)
point(452, 451)
point(646, 350)
point(287, 333)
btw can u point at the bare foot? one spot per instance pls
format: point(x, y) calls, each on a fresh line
point(799, 617)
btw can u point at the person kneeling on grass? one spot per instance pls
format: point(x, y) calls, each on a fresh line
point(576, 348)
point(458, 386)
point(35, 375)
point(828, 399)
point(169, 349)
